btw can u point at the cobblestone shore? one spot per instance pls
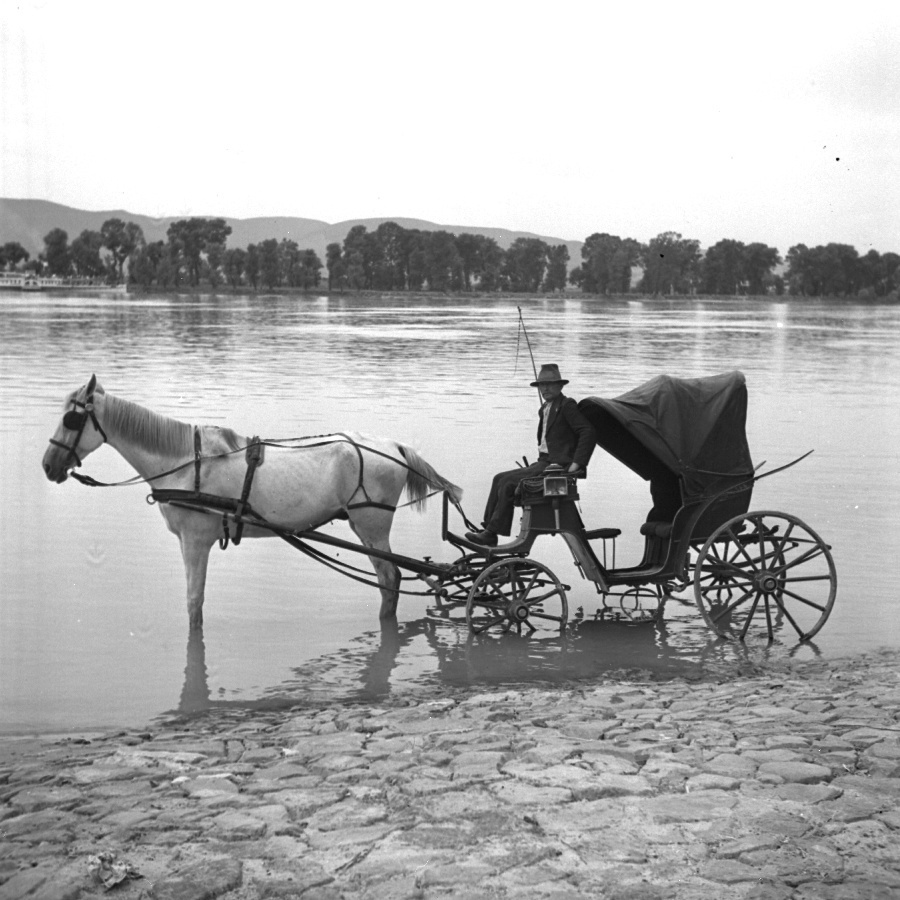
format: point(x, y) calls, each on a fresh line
point(781, 785)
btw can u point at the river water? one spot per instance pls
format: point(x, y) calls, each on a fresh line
point(93, 623)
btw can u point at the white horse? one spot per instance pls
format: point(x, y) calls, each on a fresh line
point(295, 487)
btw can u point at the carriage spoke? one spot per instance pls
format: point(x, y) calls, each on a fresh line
point(807, 578)
point(807, 556)
point(769, 619)
point(784, 539)
point(536, 601)
point(808, 602)
point(547, 616)
point(534, 577)
point(480, 629)
point(742, 547)
point(732, 606)
point(495, 588)
point(749, 618)
point(800, 632)
point(491, 604)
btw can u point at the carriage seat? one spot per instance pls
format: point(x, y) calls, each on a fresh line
point(657, 529)
point(605, 534)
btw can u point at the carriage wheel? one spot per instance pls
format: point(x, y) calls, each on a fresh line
point(765, 572)
point(514, 592)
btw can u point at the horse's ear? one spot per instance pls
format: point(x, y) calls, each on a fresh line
point(91, 385)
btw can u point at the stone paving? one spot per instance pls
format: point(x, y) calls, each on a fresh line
point(775, 786)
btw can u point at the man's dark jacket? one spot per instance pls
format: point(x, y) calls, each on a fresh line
point(570, 437)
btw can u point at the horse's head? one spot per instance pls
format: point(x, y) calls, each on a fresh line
point(79, 433)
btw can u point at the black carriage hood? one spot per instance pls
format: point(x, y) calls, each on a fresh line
point(695, 427)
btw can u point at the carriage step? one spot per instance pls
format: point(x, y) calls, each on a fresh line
point(605, 534)
point(657, 529)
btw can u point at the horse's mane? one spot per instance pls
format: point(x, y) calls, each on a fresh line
point(153, 430)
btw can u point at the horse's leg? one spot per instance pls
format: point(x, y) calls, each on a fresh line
point(195, 547)
point(373, 528)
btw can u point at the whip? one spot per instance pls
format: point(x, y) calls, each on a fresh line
point(524, 330)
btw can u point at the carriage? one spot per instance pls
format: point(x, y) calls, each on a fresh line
point(752, 572)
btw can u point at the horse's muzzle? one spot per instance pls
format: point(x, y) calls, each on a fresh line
point(59, 476)
point(54, 467)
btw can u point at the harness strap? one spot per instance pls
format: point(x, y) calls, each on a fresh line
point(368, 502)
point(254, 460)
point(198, 457)
point(373, 504)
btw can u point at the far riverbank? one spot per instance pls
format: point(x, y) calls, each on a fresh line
point(244, 290)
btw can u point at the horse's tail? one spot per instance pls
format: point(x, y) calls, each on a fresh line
point(422, 480)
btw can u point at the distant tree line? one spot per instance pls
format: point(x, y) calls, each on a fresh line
point(194, 252)
point(393, 258)
point(671, 264)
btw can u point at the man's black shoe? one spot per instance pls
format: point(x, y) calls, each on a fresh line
point(486, 538)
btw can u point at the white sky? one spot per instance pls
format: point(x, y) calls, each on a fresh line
point(759, 121)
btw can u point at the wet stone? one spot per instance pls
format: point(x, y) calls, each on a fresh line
point(708, 781)
point(700, 806)
point(478, 763)
point(807, 793)
point(233, 826)
point(731, 765)
point(523, 794)
point(796, 772)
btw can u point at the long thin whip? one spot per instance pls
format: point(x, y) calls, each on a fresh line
point(524, 330)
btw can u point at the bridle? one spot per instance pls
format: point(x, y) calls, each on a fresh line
point(76, 420)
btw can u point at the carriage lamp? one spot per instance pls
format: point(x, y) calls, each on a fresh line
point(556, 486)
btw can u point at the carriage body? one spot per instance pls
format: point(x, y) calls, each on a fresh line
point(687, 438)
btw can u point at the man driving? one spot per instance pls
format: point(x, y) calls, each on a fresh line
point(565, 438)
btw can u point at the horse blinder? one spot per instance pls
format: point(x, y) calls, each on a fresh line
point(74, 420)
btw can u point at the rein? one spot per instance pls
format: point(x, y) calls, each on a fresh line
point(283, 443)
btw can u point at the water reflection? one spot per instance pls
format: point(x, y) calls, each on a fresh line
point(195, 693)
point(392, 661)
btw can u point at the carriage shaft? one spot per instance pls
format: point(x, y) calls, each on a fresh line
point(212, 505)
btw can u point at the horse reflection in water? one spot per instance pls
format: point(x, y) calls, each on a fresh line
point(300, 485)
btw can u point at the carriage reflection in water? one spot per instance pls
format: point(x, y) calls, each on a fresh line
point(753, 573)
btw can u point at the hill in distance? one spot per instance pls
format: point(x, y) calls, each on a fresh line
point(27, 221)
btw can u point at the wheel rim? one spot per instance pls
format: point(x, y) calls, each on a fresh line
point(765, 574)
point(513, 593)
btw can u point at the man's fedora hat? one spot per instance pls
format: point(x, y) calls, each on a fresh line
point(549, 374)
